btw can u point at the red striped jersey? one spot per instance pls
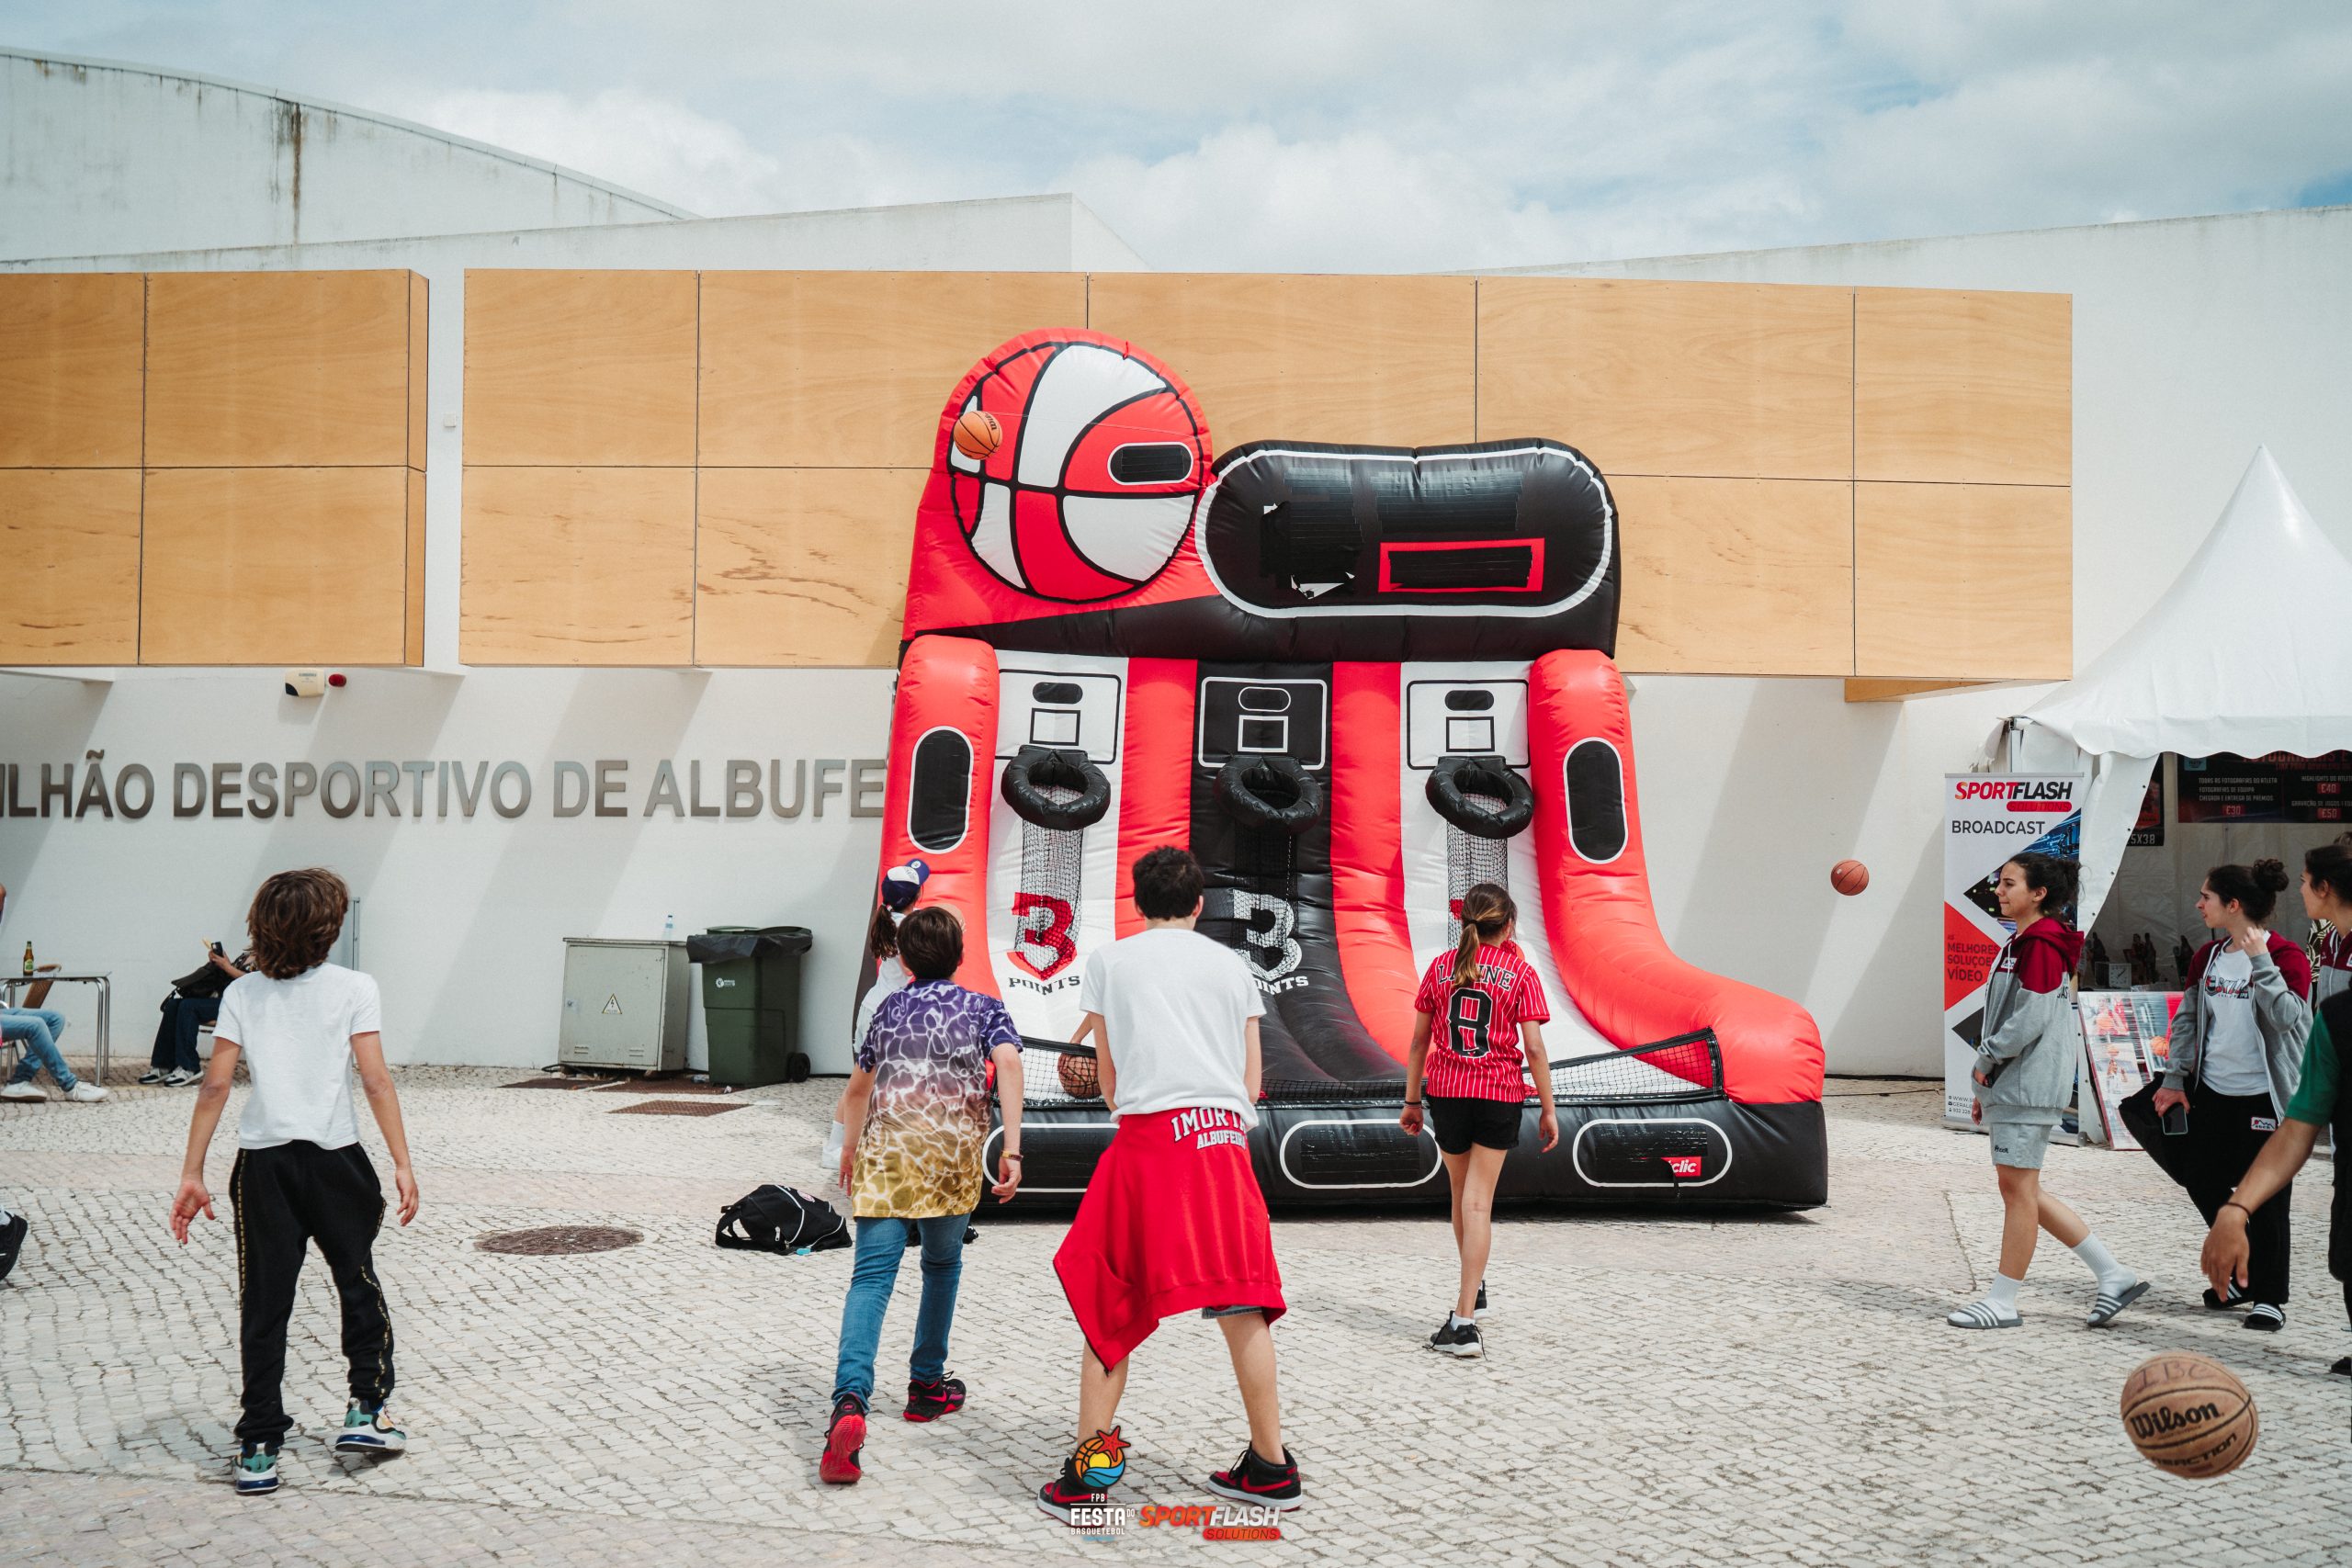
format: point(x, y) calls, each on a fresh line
point(1474, 1029)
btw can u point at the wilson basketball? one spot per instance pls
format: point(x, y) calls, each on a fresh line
point(1850, 877)
point(977, 433)
point(1079, 1079)
point(2188, 1416)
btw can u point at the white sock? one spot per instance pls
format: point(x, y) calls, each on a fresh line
point(2004, 1293)
point(1455, 1320)
point(5, 1215)
point(2113, 1278)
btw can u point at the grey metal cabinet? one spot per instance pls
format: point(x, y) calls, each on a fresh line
point(623, 1005)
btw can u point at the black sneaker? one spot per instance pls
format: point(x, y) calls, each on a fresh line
point(1252, 1479)
point(2264, 1318)
point(12, 1241)
point(1065, 1490)
point(1480, 1309)
point(1457, 1339)
point(929, 1402)
point(2342, 1368)
point(156, 1074)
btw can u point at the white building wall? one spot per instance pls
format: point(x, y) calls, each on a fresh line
point(97, 156)
point(2194, 341)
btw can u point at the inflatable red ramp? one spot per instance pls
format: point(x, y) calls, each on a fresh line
point(1354, 682)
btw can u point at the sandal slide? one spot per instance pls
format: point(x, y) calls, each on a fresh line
point(2106, 1308)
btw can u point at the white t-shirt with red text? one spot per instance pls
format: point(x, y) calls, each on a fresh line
point(1474, 1029)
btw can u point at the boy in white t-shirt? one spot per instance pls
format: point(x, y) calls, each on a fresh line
point(1174, 1017)
point(301, 1025)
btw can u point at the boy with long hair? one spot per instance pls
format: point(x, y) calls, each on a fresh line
point(301, 1025)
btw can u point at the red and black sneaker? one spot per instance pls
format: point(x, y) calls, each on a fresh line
point(1065, 1490)
point(844, 1441)
point(1252, 1479)
point(930, 1401)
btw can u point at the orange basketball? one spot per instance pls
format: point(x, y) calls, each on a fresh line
point(1079, 1079)
point(2188, 1416)
point(1850, 877)
point(977, 433)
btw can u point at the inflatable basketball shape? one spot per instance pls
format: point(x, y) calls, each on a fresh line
point(2188, 1416)
point(1090, 491)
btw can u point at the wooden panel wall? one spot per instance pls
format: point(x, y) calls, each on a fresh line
point(1743, 426)
point(212, 468)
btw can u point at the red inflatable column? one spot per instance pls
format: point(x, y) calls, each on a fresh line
point(1367, 864)
point(1605, 938)
point(1155, 772)
point(943, 777)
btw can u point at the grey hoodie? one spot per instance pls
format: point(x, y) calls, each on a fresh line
point(2030, 1038)
point(2280, 983)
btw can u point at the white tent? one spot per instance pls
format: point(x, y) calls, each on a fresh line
point(2249, 651)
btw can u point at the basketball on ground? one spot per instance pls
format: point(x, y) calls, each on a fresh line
point(1850, 877)
point(977, 433)
point(2188, 1416)
point(1079, 1079)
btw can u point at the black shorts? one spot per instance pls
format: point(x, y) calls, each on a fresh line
point(1460, 1121)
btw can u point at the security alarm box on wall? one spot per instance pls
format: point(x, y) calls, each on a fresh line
point(623, 1005)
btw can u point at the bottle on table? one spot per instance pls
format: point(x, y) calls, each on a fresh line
point(28, 958)
point(668, 931)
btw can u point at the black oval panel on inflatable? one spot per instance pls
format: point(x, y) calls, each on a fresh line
point(1354, 682)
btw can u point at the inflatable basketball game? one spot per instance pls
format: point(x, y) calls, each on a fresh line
point(1355, 680)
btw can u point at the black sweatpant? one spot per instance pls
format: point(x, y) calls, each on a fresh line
point(285, 1198)
point(2210, 1159)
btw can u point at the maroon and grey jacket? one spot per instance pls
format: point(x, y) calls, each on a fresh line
point(2030, 1038)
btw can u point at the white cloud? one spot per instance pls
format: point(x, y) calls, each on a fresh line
point(1356, 134)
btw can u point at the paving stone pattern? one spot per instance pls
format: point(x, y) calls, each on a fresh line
point(1659, 1390)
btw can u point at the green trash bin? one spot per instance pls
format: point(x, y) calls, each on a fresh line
point(751, 1002)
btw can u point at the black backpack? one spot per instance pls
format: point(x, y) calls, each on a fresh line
point(780, 1219)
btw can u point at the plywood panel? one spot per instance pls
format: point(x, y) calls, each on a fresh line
point(803, 566)
point(413, 622)
point(849, 369)
point(275, 566)
point(1386, 361)
point(1956, 581)
point(1749, 577)
point(70, 347)
point(578, 566)
point(1867, 690)
point(69, 539)
point(420, 359)
point(577, 368)
point(1696, 379)
point(1963, 387)
point(265, 369)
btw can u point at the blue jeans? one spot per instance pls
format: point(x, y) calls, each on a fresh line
point(38, 1029)
point(880, 1244)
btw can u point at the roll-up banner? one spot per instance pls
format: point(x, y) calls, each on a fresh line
point(1988, 817)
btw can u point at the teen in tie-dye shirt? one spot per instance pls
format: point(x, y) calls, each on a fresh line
point(916, 1120)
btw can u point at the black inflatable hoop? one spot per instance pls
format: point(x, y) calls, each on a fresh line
point(1036, 769)
point(1269, 792)
point(1456, 779)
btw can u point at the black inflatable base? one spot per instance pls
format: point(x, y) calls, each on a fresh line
point(1708, 1153)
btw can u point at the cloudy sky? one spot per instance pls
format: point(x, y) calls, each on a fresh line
point(1345, 135)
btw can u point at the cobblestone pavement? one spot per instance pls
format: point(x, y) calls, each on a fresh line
point(1775, 1389)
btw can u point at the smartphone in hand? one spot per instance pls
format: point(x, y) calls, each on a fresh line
point(2175, 1121)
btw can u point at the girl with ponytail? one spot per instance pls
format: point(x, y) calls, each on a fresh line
point(1475, 1065)
point(2236, 1057)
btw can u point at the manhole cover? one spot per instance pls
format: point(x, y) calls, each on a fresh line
point(547, 1241)
point(675, 1108)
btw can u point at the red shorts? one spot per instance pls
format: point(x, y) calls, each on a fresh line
point(1172, 1222)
